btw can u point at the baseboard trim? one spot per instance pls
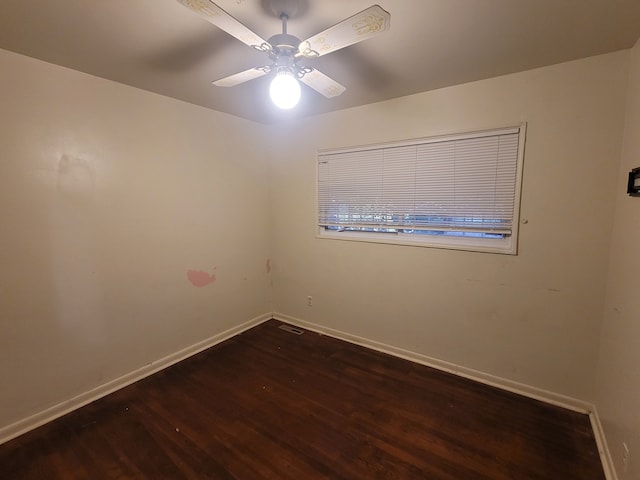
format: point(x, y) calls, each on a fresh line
point(486, 378)
point(603, 447)
point(20, 427)
point(32, 422)
point(482, 377)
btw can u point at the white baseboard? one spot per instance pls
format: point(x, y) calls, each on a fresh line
point(603, 447)
point(486, 378)
point(22, 426)
point(482, 377)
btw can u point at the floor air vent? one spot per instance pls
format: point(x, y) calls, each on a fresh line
point(290, 329)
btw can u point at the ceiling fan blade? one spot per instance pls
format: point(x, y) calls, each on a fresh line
point(221, 19)
point(361, 26)
point(241, 77)
point(322, 84)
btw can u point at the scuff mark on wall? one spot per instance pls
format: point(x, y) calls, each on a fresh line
point(198, 278)
point(268, 265)
point(75, 177)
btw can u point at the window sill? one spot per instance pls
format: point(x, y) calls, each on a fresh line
point(505, 246)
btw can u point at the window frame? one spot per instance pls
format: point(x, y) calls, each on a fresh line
point(506, 245)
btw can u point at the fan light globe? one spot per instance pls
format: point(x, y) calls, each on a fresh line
point(285, 90)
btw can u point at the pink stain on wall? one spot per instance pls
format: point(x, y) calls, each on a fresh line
point(198, 278)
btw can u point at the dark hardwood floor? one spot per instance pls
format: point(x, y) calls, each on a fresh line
point(269, 404)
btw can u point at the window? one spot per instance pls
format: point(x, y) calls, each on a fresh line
point(455, 191)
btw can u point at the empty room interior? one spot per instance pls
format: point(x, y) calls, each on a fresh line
point(148, 215)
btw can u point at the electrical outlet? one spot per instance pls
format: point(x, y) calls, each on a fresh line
point(625, 457)
point(309, 301)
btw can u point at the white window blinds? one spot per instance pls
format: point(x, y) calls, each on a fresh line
point(458, 183)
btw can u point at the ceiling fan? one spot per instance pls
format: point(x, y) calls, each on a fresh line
point(285, 50)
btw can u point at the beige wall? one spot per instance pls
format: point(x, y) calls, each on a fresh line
point(618, 388)
point(532, 318)
point(108, 197)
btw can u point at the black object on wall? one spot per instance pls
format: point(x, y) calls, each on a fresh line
point(633, 187)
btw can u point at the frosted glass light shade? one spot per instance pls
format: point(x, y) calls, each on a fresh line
point(285, 90)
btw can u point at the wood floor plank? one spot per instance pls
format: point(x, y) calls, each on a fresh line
point(269, 404)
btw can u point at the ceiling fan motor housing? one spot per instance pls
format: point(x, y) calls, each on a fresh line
point(284, 49)
point(284, 44)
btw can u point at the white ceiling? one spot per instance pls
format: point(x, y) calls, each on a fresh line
point(163, 47)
